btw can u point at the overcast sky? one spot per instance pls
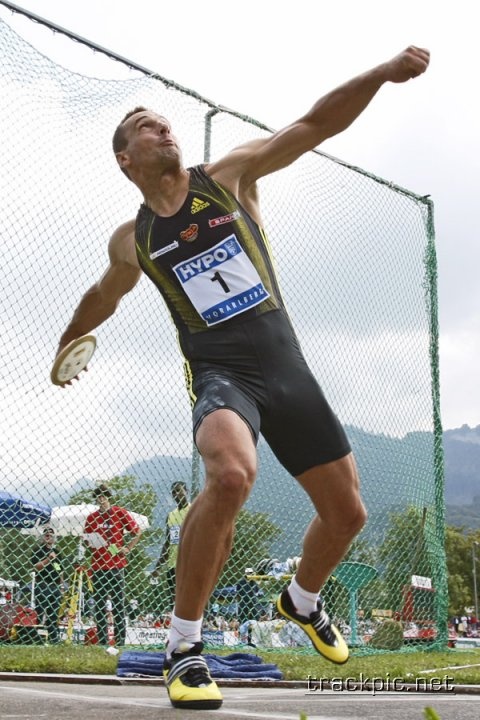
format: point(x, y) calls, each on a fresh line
point(272, 60)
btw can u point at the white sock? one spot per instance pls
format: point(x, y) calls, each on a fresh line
point(183, 634)
point(305, 602)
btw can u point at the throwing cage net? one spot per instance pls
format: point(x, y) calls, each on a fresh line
point(356, 260)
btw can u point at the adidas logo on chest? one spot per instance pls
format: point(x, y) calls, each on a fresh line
point(198, 205)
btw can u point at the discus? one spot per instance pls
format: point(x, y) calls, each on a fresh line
point(73, 359)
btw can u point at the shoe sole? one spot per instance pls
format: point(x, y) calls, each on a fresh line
point(197, 704)
point(314, 637)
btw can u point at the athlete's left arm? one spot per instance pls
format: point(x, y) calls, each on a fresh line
point(330, 115)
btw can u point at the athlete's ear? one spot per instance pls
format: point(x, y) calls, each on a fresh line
point(122, 159)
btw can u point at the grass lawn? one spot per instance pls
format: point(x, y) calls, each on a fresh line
point(461, 667)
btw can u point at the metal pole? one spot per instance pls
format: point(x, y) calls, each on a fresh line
point(208, 134)
point(206, 157)
point(32, 591)
point(475, 595)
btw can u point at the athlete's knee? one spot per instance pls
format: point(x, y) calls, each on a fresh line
point(349, 518)
point(233, 481)
point(354, 518)
point(236, 479)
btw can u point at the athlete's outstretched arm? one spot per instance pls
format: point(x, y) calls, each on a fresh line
point(330, 115)
point(102, 299)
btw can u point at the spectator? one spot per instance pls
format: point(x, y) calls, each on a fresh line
point(132, 609)
point(169, 551)
point(104, 530)
point(49, 583)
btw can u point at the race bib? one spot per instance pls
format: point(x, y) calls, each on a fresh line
point(221, 282)
point(174, 534)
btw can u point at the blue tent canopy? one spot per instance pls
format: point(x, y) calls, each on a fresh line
point(16, 512)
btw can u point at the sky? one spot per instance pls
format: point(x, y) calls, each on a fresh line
point(272, 60)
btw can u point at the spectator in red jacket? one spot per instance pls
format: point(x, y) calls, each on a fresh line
point(104, 532)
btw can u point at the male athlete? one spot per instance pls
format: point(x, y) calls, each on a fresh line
point(199, 237)
point(169, 551)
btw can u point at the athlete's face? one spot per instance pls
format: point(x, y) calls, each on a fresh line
point(150, 143)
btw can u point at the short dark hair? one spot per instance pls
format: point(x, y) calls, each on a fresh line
point(119, 139)
point(102, 490)
point(179, 483)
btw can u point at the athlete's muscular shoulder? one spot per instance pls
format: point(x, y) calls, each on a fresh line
point(237, 171)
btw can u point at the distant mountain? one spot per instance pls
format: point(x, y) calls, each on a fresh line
point(464, 434)
point(465, 516)
point(395, 472)
point(462, 476)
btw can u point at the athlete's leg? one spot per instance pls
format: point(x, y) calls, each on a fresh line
point(226, 444)
point(228, 450)
point(335, 493)
point(334, 490)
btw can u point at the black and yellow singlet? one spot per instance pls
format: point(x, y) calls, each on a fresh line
point(210, 260)
point(212, 264)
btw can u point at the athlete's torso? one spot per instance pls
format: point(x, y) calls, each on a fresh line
point(210, 261)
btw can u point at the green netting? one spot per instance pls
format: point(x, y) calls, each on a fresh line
point(356, 260)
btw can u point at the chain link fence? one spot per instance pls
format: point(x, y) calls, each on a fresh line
point(356, 260)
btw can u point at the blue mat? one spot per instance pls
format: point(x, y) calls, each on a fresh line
point(237, 665)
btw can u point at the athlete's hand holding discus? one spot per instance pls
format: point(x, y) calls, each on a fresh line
point(71, 359)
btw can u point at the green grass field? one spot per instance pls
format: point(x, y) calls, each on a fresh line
point(461, 667)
